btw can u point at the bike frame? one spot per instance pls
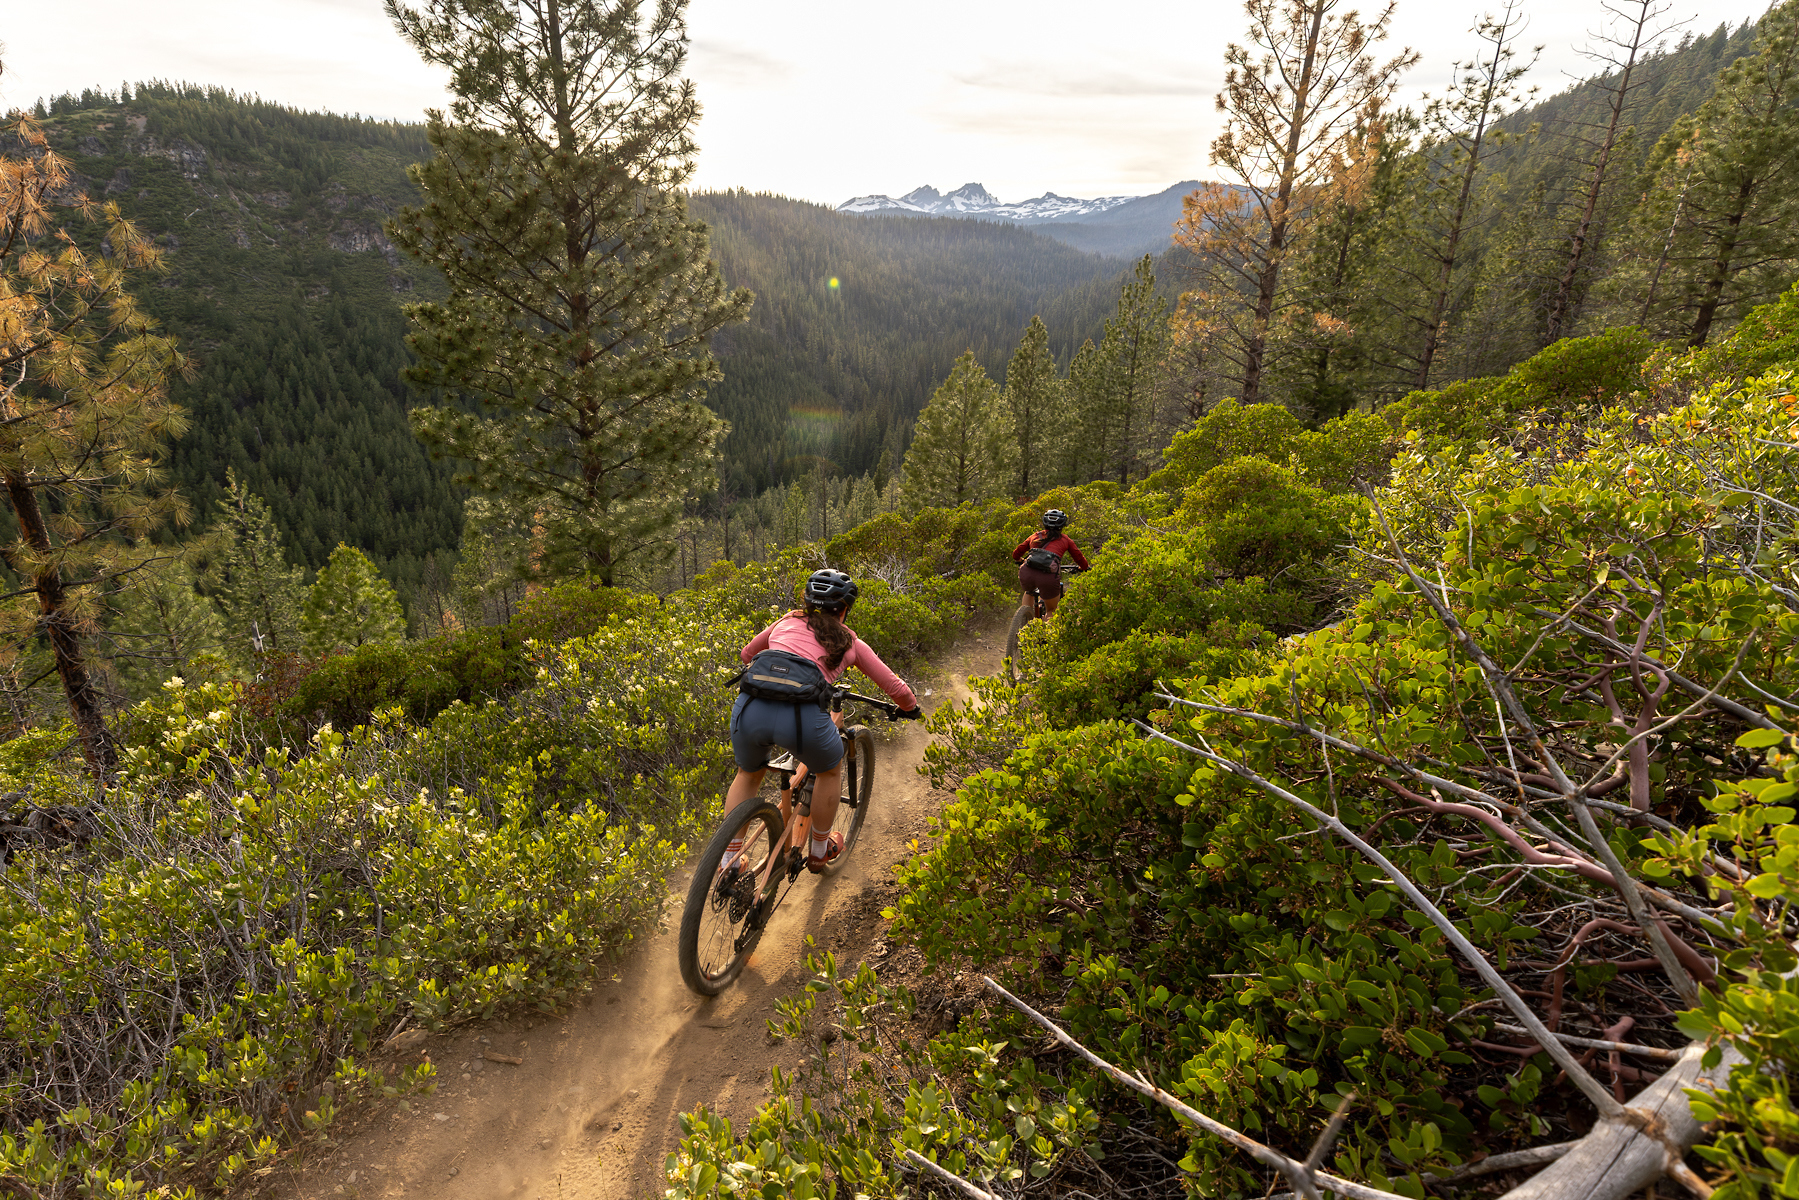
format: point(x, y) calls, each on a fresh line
point(796, 804)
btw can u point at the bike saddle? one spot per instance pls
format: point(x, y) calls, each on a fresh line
point(784, 761)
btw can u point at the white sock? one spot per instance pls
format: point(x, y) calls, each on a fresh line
point(821, 843)
point(731, 853)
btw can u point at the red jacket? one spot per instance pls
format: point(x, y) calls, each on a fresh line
point(1055, 543)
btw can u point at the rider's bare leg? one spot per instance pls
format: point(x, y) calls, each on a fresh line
point(825, 794)
point(1049, 605)
point(747, 784)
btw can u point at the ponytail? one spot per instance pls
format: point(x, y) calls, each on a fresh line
point(833, 635)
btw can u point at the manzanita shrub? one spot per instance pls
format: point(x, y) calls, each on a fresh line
point(1633, 573)
point(201, 974)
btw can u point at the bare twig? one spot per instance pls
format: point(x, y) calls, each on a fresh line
point(1600, 1044)
point(924, 1164)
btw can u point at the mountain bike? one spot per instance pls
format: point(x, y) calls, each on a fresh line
point(734, 894)
point(1024, 616)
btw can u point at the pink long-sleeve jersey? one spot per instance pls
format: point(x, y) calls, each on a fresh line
point(792, 634)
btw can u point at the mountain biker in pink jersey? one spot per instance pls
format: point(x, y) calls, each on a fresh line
point(1040, 560)
point(817, 633)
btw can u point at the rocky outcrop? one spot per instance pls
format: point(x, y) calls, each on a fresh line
point(362, 237)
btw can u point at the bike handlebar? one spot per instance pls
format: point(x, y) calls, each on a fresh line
point(843, 693)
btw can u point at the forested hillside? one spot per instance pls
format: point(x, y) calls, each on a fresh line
point(285, 291)
point(857, 320)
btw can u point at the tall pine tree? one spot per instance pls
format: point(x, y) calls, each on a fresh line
point(1036, 400)
point(963, 448)
point(581, 294)
point(83, 379)
point(350, 605)
point(258, 590)
point(1720, 220)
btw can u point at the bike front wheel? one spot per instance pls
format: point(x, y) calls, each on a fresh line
point(722, 921)
point(858, 791)
point(1020, 619)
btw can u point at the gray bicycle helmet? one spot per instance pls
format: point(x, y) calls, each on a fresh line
point(831, 589)
point(1055, 520)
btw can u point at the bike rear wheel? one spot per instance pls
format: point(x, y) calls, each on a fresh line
point(721, 922)
point(858, 791)
point(1025, 614)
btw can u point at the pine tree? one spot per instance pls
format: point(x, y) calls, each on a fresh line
point(1294, 99)
point(159, 626)
point(581, 294)
point(1721, 217)
point(963, 448)
point(87, 418)
point(1451, 201)
point(350, 605)
point(259, 592)
point(1036, 400)
point(1116, 389)
point(1600, 144)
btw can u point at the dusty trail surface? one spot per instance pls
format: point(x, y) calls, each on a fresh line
point(594, 1106)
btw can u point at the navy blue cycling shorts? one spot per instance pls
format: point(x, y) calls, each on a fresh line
point(760, 727)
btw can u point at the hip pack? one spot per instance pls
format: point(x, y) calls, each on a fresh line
point(786, 678)
point(1043, 560)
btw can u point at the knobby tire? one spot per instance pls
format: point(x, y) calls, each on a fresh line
point(715, 918)
point(858, 785)
point(1024, 616)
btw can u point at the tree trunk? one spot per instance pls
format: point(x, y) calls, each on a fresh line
point(58, 625)
point(1268, 281)
point(1713, 294)
point(1564, 292)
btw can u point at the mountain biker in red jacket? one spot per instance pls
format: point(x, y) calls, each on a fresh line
point(1039, 558)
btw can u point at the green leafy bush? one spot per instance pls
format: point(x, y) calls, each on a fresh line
point(263, 920)
point(1254, 518)
point(1166, 584)
point(1114, 682)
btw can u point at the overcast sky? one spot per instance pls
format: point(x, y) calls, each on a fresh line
point(817, 99)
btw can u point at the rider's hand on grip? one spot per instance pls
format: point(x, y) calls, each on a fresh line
point(908, 714)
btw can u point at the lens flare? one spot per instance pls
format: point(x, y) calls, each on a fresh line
point(833, 285)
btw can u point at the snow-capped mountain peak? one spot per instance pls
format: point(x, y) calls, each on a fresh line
point(974, 200)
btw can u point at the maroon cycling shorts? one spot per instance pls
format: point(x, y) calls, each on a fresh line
point(1047, 584)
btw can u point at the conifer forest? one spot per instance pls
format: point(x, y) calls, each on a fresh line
point(1400, 805)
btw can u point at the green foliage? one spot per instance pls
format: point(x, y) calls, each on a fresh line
point(350, 605)
point(1337, 456)
point(1114, 682)
point(1767, 337)
point(1163, 585)
point(580, 306)
point(963, 449)
point(1258, 520)
point(1755, 1127)
point(497, 858)
point(161, 626)
point(259, 592)
point(1717, 220)
point(474, 666)
point(1594, 372)
point(1038, 404)
point(1572, 375)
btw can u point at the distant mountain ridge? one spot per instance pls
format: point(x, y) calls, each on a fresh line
point(1122, 226)
point(974, 200)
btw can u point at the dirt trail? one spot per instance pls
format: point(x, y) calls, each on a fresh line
point(595, 1106)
